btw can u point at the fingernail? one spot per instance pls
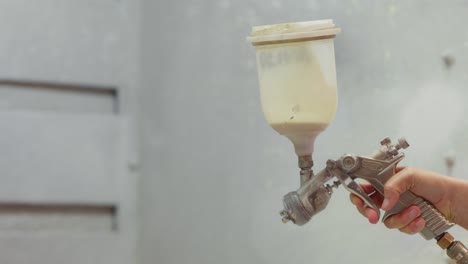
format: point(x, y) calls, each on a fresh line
point(418, 225)
point(413, 213)
point(389, 196)
point(386, 204)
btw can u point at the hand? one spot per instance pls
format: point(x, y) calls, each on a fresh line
point(407, 221)
point(445, 193)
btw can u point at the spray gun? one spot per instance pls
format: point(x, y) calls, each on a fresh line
point(298, 88)
point(314, 193)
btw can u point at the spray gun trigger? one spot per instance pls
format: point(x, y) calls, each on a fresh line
point(356, 189)
point(350, 185)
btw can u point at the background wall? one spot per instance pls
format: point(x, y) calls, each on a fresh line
point(215, 173)
point(68, 85)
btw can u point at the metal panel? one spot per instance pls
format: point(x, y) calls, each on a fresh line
point(67, 133)
point(73, 41)
point(49, 247)
point(61, 158)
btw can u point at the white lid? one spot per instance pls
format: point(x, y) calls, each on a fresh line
point(289, 32)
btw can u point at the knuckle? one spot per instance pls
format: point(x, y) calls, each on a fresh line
point(389, 188)
point(395, 221)
point(403, 181)
point(407, 173)
point(405, 230)
point(412, 230)
point(408, 170)
point(389, 223)
point(361, 211)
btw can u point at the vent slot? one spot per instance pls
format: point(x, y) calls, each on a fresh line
point(57, 217)
point(57, 97)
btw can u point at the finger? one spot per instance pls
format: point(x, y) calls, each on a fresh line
point(371, 215)
point(404, 218)
point(396, 185)
point(414, 227)
point(356, 200)
point(362, 209)
point(360, 206)
point(371, 191)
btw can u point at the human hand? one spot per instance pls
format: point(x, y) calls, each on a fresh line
point(439, 190)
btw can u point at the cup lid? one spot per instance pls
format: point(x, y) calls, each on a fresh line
point(293, 32)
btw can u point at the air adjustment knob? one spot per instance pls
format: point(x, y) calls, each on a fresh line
point(402, 143)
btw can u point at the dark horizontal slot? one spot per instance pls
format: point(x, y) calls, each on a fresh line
point(70, 87)
point(52, 208)
point(63, 217)
point(58, 96)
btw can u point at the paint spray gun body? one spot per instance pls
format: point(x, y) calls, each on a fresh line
point(314, 193)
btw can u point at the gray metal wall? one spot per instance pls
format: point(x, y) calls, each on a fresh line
point(68, 85)
point(214, 173)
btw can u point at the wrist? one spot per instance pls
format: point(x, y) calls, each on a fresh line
point(458, 195)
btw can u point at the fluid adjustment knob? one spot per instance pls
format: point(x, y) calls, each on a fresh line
point(386, 141)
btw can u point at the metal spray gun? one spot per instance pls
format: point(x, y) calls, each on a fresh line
point(297, 77)
point(313, 195)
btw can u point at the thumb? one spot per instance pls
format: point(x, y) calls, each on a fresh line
point(399, 183)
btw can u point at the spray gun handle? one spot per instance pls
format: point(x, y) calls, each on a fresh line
point(377, 173)
point(436, 223)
